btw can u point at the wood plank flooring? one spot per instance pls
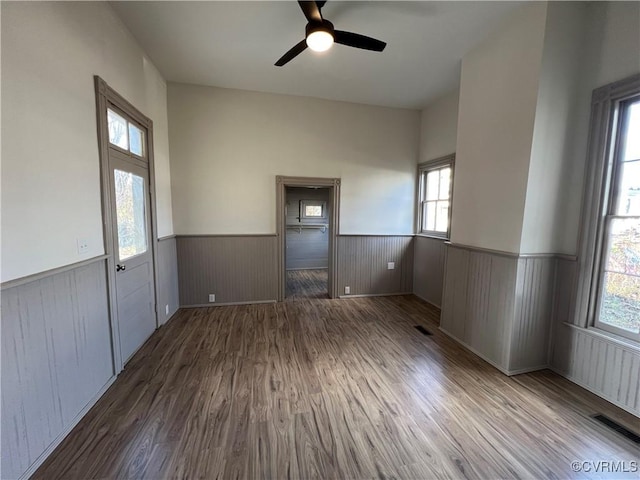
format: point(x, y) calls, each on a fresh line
point(307, 284)
point(331, 389)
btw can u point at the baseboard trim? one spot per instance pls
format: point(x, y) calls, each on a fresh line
point(519, 371)
point(624, 407)
point(362, 295)
point(506, 371)
point(227, 304)
point(429, 302)
point(58, 440)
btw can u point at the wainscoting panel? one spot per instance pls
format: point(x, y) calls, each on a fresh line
point(167, 279)
point(605, 366)
point(428, 268)
point(565, 291)
point(56, 357)
point(533, 317)
point(602, 365)
point(236, 269)
point(362, 264)
point(500, 306)
point(454, 297)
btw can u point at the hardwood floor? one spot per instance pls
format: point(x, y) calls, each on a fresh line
point(307, 284)
point(331, 389)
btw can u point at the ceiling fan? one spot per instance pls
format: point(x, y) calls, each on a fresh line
point(320, 35)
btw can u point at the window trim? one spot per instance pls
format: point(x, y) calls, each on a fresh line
point(598, 192)
point(423, 169)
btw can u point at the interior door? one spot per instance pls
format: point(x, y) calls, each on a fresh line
point(130, 206)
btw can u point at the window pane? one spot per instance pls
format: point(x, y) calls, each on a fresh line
point(623, 255)
point(621, 301)
point(445, 178)
point(632, 135)
point(629, 191)
point(442, 216)
point(429, 216)
point(432, 184)
point(130, 214)
point(313, 211)
point(117, 129)
point(136, 140)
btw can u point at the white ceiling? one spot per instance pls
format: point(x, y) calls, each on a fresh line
point(235, 44)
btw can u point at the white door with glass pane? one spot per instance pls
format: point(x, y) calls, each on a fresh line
point(130, 206)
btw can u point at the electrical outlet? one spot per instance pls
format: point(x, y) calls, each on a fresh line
point(166, 309)
point(83, 246)
point(212, 297)
point(347, 290)
point(391, 265)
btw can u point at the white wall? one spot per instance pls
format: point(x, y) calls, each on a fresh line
point(550, 186)
point(50, 167)
point(439, 127)
point(611, 53)
point(498, 96)
point(229, 145)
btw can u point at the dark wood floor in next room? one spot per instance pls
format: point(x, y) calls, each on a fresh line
point(307, 284)
point(325, 388)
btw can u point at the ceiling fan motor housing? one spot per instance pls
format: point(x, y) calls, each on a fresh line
point(324, 26)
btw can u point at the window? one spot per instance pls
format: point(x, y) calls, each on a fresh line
point(130, 214)
point(436, 184)
point(617, 301)
point(125, 134)
point(312, 209)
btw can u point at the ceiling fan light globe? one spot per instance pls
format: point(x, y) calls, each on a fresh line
point(319, 41)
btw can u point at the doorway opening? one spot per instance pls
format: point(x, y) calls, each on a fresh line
point(307, 220)
point(307, 242)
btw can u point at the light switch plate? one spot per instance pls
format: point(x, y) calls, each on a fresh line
point(391, 265)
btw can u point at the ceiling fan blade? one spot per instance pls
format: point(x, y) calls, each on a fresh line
point(320, 3)
point(358, 41)
point(311, 11)
point(293, 53)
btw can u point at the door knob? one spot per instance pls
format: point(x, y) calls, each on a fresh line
point(120, 267)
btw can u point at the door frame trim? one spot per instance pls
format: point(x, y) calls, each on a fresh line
point(105, 95)
point(333, 184)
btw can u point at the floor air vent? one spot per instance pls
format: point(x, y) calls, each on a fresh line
point(422, 330)
point(617, 427)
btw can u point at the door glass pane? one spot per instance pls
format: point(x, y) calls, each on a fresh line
point(136, 137)
point(432, 185)
point(118, 134)
point(632, 135)
point(130, 214)
point(629, 190)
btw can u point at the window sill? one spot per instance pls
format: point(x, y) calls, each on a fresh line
point(611, 337)
point(434, 237)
